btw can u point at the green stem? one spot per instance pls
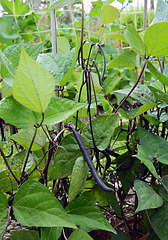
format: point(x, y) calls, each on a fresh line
point(6, 162)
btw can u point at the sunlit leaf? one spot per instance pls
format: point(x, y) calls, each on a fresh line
point(59, 4)
point(108, 14)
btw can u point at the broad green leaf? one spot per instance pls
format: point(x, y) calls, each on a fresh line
point(138, 111)
point(154, 145)
point(80, 234)
point(51, 233)
point(103, 128)
point(83, 211)
point(156, 40)
point(147, 197)
point(35, 205)
point(120, 236)
point(7, 32)
point(63, 45)
point(159, 222)
point(16, 114)
point(15, 8)
point(65, 157)
point(147, 160)
point(60, 109)
point(126, 59)
point(110, 83)
point(134, 40)
point(3, 209)
point(26, 235)
point(157, 74)
point(6, 90)
point(25, 137)
point(33, 85)
point(118, 36)
point(161, 14)
point(59, 4)
point(78, 178)
point(12, 52)
point(108, 14)
point(7, 64)
point(162, 191)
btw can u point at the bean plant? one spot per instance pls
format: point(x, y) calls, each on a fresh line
point(74, 156)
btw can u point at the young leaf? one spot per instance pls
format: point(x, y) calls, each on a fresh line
point(35, 205)
point(80, 234)
point(147, 197)
point(102, 132)
point(78, 178)
point(59, 4)
point(33, 85)
point(60, 109)
point(3, 209)
point(157, 74)
point(16, 114)
point(134, 40)
point(26, 235)
point(25, 137)
point(50, 233)
point(126, 59)
point(156, 39)
point(83, 211)
point(159, 222)
point(108, 14)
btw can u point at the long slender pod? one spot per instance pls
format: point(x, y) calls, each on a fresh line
point(89, 162)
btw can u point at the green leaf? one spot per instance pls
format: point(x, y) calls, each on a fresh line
point(134, 40)
point(110, 83)
point(3, 209)
point(8, 65)
point(161, 14)
point(63, 45)
point(33, 85)
point(138, 111)
point(118, 36)
point(26, 235)
point(156, 40)
point(7, 182)
point(65, 157)
point(50, 233)
point(35, 205)
point(120, 236)
point(16, 114)
point(159, 95)
point(25, 137)
point(78, 178)
point(6, 90)
point(7, 32)
point(147, 197)
point(146, 159)
point(159, 222)
point(59, 4)
point(108, 14)
point(126, 59)
point(155, 146)
point(60, 109)
point(83, 211)
point(162, 191)
point(80, 234)
point(157, 74)
point(15, 8)
point(103, 128)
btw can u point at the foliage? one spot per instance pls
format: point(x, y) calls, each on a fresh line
point(58, 179)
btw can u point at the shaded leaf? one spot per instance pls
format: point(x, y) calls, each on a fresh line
point(110, 83)
point(120, 236)
point(159, 222)
point(3, 209)
point(16, 114)
point(83, 211)
point(126, 59)
point(162, 191)
point(25, 137)
point(108, 14)
point(60, 109)
point(79, 234)
point(161, 14)
point(156, 39)
point(78, 178)
point(147, 197)
point(33, 85)
point(50, 233)
point(6, 90)
point(134, 40)
point(35, 205)
point(157, 74)
point(138, 111)
point(26, 235)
